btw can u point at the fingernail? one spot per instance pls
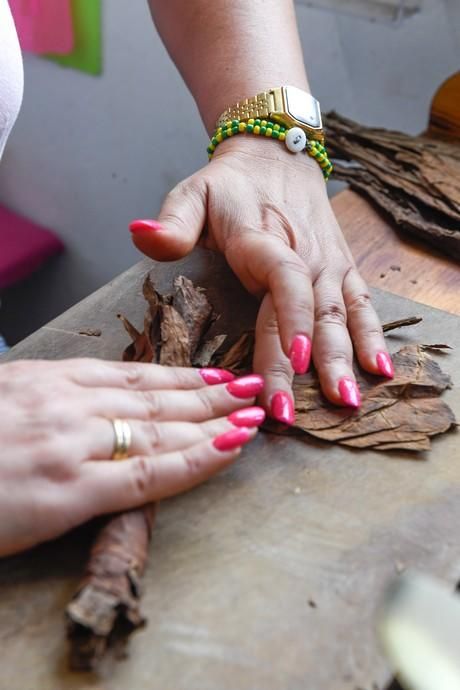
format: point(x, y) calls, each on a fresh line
point(215, 376)
point(282, 408)
point(385, 365)
point(139, 225)
point(246, 387)
point(300, 353)
point(249, 416)
point(232, 439)
point(349, 392)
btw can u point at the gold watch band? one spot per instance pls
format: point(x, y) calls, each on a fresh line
point(259, 106)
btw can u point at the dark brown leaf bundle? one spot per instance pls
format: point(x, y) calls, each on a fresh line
point(414, 179)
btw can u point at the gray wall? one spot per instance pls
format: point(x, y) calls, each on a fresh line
point(89, 154)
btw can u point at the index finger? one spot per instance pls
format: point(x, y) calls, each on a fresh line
point(288, 280)
point(142, 376)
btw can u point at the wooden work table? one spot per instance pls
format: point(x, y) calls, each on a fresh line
point(269, 576)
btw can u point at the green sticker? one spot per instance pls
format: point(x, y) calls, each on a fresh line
point(87, 52)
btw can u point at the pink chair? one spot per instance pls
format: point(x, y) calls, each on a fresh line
point(24, 247)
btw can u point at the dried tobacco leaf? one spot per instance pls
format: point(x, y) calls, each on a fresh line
point(239, 357)
point(192, 303)
point(175, 341)
point(205, 354)
point(401, 413)
point(105, 609)
point(414, 179)
point(397, 414)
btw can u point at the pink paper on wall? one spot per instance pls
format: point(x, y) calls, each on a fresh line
point(44, 26)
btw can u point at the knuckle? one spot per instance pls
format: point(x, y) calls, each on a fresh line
point(154, 436)
point(279, 370)
point(133, 375)
point(193, 465)
point(270, 326)
point(206, 402)
point(153, 404)
point(144, 476)
point(331, 313)
point(374, 331)
point(53, 460)
point(359, 302)
point(335, 357)
point(293, 265)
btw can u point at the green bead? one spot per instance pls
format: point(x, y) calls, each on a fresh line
point(235, 130)
point(263, 130)
point(214, 141)
point(224, 134)
point(249, 128)
point(257, 122)
point(275, 134)
point(235, 123)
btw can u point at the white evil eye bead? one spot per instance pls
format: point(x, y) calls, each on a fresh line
point(295, 140)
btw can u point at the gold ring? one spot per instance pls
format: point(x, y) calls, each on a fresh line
point(122, 441)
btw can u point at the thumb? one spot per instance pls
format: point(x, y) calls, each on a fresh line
point(178, 227)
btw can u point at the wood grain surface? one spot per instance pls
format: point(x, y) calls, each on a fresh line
point(387, 259)
point(269, 576)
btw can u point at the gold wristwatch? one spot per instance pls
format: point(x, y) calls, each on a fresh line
point(288, 105)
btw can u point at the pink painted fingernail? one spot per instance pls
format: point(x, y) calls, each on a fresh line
point(282, 408)
point(214, 376)
point(139, 225)
point(349, 392)
point(300, 353)
point(232, 439)
point(249, 416)
point(246, 387)
point(385, 365)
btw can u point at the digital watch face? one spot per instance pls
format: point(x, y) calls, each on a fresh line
point(303, 107)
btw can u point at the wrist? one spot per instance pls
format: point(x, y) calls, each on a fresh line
point(260, 153)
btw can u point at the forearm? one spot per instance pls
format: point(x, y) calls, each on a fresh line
point(228, 50)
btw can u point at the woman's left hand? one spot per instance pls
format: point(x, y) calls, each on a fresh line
point(267, 210)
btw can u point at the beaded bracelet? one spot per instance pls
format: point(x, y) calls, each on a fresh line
point(271, 130)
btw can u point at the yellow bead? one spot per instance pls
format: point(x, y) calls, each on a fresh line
point(251, 121)
point(256, 129)
point(276, 127)
point(268, 132)
point(263, 123)
point(242, 126)
point(282, 136)
point(229, 132)
point(219, 137)
point(228, 124)
point(212, 147)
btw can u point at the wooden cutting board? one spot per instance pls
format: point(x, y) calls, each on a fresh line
point(269, 576)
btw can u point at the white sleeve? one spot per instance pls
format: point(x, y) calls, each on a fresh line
point(11, 74)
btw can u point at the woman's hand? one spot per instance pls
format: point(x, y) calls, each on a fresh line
point(267, 210)
point(57, 439)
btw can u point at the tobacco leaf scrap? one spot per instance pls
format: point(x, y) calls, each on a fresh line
point(397, 414)
point(401, 413)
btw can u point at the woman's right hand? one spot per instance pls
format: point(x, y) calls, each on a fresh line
point(57, 438)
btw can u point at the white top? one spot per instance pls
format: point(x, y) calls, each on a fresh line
point(11, 74)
